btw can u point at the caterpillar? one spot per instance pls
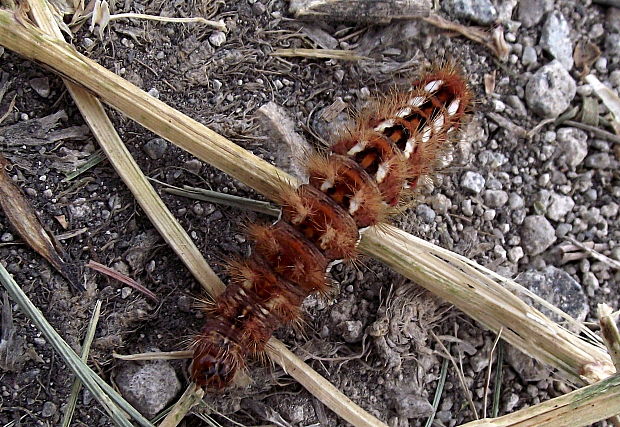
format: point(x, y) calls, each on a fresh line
point(367, 171)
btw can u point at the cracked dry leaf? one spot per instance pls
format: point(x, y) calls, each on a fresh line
point(25, 221)
point(585, 55)
point(36, 132)
point(100, 17)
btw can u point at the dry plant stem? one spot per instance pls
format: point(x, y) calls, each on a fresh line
point(488, 380)
point(191, 397)
point(345, 55)
point(474, 290)
point(156, 355)
point(611, 335)
point(219, 25)
point(169, 228)
point(325, 392)
point(581, 407)
point(493, 41)
point(109, 140)
point(595, 254)
point(475, 293)
point(359, 10)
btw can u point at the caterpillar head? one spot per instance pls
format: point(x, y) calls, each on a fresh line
point(214, 365)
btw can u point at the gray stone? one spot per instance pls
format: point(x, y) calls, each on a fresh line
point(49, 409)
point(550, 90)
point(573, 146)
point(472, 182)
point(479, 11)
point(156, 148)
point(558, 288)
point(41, 86)
point(562, 230)
point(515, 201)
point(425, 213)
point(495, 198)
point(598, 161)
point(559, 207)
point(148, 386)
point(529, 56)
point(467, 208)
point(441, 203)
point(409, 406)
point(613, 20)
point(193, 165)
point(515, 254)
point(590, 281)
point(517, 105)
point(612, 46)
point(610, 210)
point(555, 39)
point(537, 234)
point(217, 38)
point(531, 11)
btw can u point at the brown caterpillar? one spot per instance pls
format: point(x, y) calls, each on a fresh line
point(394, 143)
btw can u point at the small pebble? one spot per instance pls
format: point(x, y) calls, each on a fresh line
point(218, 38)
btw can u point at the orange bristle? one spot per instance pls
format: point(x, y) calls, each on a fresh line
point(395, 144)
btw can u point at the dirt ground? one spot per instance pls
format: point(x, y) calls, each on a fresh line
point(372, 339)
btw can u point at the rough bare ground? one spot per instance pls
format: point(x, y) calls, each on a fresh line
point(505, 201)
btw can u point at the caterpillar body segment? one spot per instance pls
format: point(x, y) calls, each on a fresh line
point(368, 169)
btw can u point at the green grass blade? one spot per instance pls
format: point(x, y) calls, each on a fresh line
point(443, 374)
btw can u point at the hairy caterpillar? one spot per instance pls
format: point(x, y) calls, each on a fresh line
point(393, 144)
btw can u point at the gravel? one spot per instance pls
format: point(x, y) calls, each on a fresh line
point(572, 146)
point(559, 206)
point(531, 12)
point(41, 85)
point(149, 386)
point(495, 198)
point(472, 182)
point(479, 11)
point(555, 39)
point(156, 148)
point(559, 288)
point(537, 234)
point(550, 90)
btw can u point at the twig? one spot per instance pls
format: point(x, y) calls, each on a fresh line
point(611, 335)
point(225, 199)
point(598, 132)
point(113, 403)
point(538, 127)
point(493, 41)
point(215, 24)
point(599, 256)
point(155, 355)
point(192, 396)
point(345, 55)
point(488, 381)
point(499, 376)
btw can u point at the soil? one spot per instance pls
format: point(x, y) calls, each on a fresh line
point(350, 337)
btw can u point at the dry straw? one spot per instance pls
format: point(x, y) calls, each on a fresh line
point(475, 290)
